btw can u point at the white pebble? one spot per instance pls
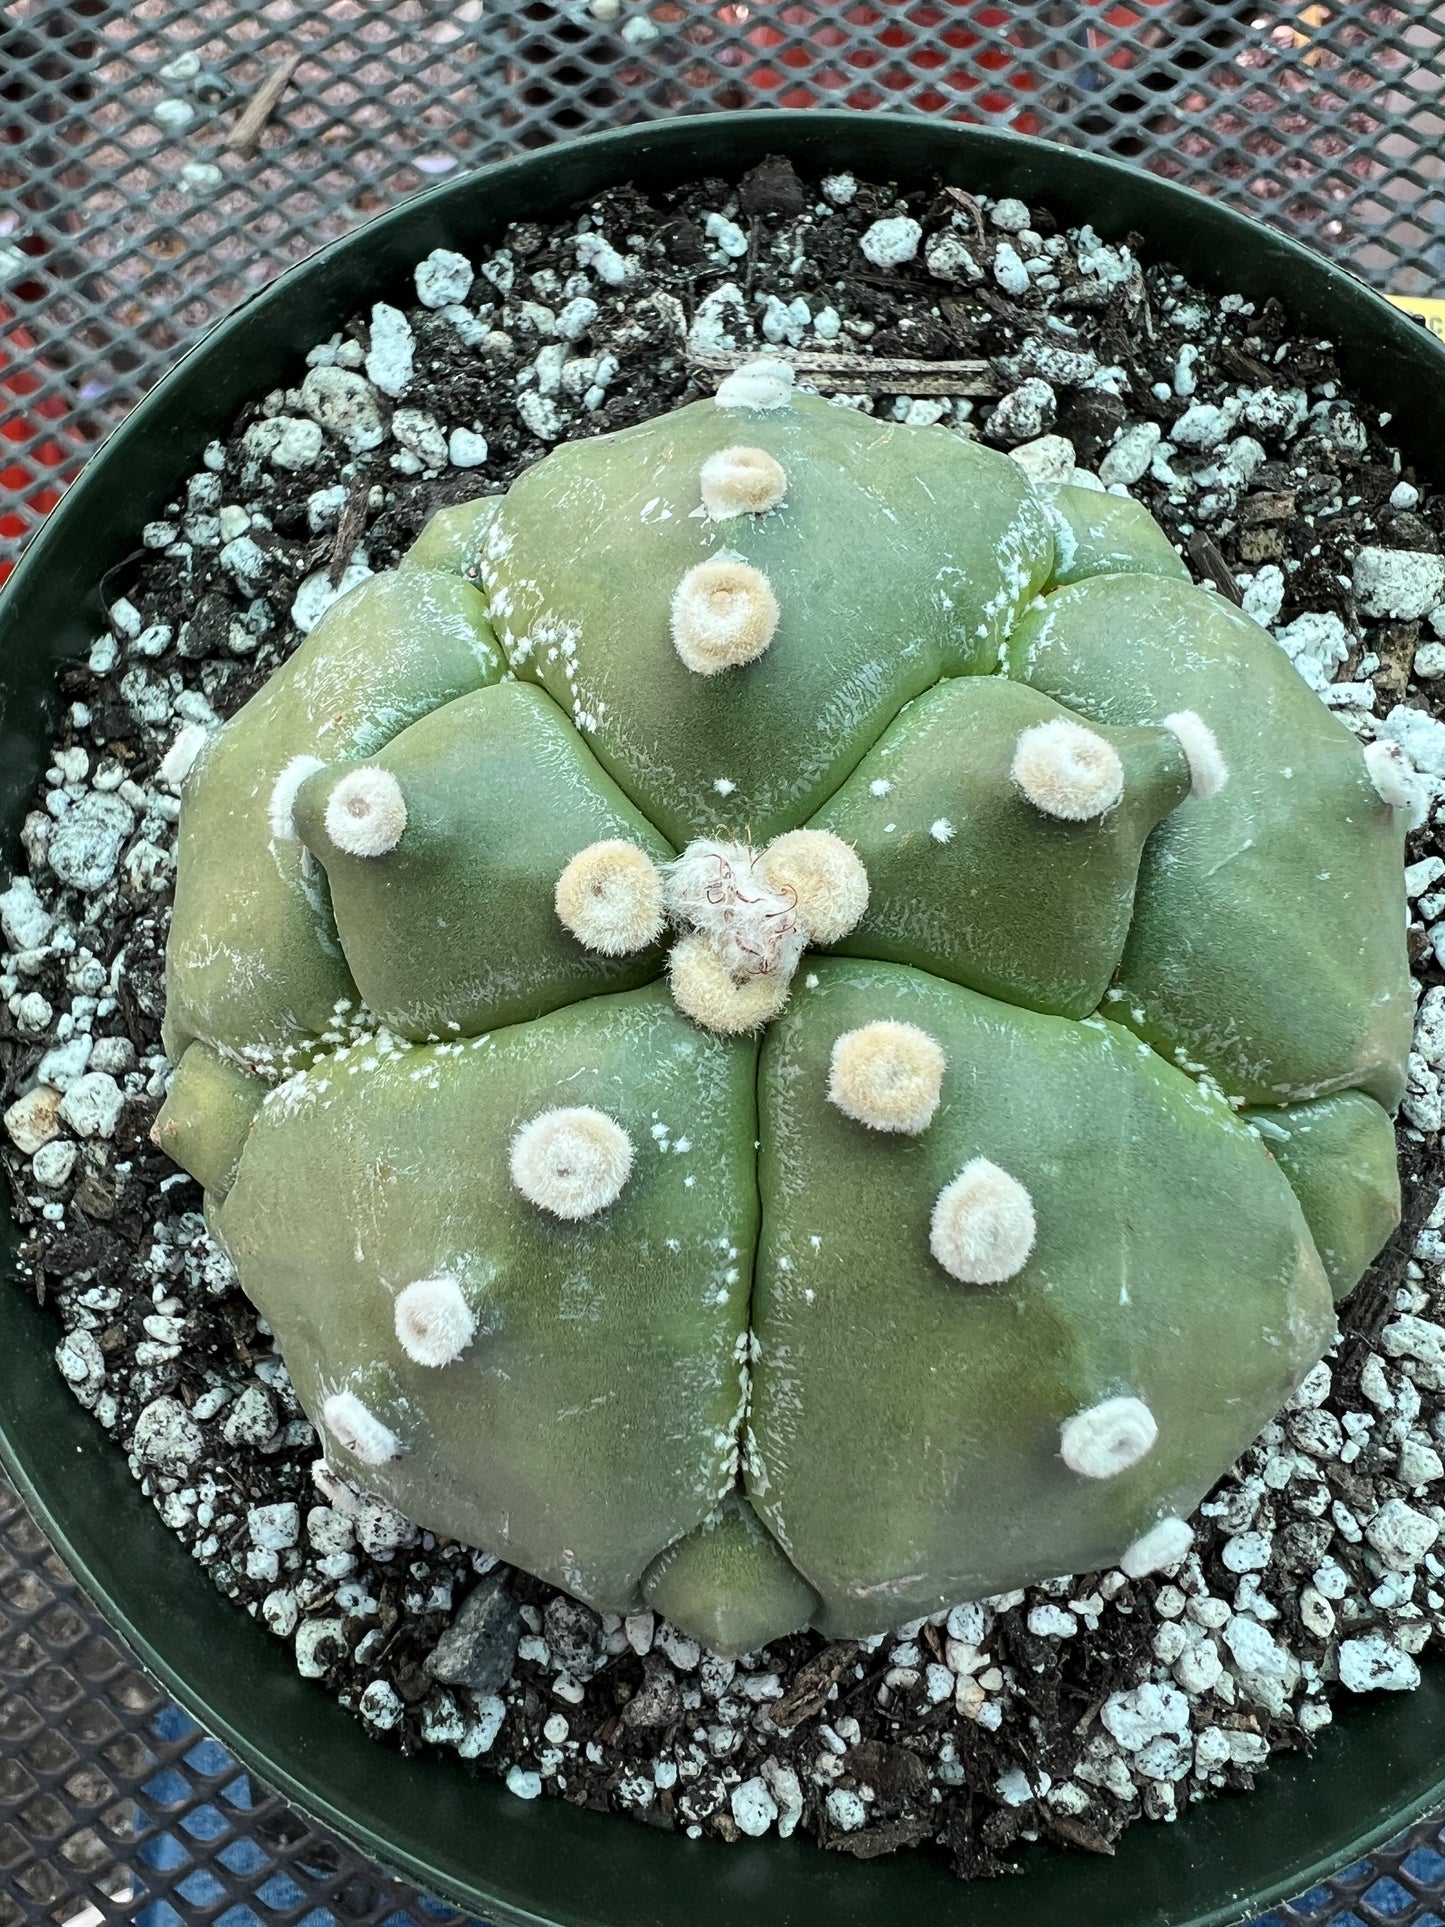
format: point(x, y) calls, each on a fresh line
point(753, 1807)
point(1371, 1664)
point(92, 1106)
point(1009, 271)
point(891, 242)
point(1398, 583)
point(389, 358)
point(445, 277)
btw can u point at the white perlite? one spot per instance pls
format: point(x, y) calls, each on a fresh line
point(390, 356)
point(443, 278)
point(891, 242)
point(1399, 583)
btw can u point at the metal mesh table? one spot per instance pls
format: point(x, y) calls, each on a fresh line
point(133, 212)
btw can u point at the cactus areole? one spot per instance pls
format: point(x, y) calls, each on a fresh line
point(788, 1027)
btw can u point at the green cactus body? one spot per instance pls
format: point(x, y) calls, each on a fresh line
point(1339, 1156)
point(1100, 534)
point(254, 966)
point(880, 1377)
point(594, 1417)
point(454, 931)
point(945, 836)
point(689, 1268)
point(452, 539)
point(897, 558)
point(1261, 913)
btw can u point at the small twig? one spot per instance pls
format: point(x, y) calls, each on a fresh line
point(1205, 555)
point(971, 206)
point(868, 374)
point(349, 526)
point(246, 134)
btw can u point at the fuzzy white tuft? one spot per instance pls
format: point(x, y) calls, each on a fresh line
point(764, 383)
point(723, 891)
point(280, 811)
point(358, 1430)
point(983, 1225)
point(741, 481)
point(573, 1163)
point(1067, 771)
point(724, 613)
point(887, 1075)
point(1159, 1549)
point(706, 991)
point(1393, 776)
point(366, 812)
point(1108, 1438)
point(610, 898)
point(1208, 770)
point(825, 878)
point(434, 1322)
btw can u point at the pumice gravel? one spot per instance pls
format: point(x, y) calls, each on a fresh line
point(1059, 1714)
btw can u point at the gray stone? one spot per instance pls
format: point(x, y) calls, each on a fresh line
point(345, 405)
point(574, 1634)
point(166, 1436)
point(658, 1701)
point(86, 844)
point(479, 1648)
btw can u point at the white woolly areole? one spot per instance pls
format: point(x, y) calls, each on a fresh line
point(1208, 771)
point(1158, 1549)
point(764, 383)
point(366, 812)
point(723, 891)
point(1067, 771)
point(1108, 1438)
point(610, 897)
point(724, 613)
point(887, 1075)
point(572, 1163)
point(281, 810)
point(741, 481)
point(825, 878)
point(358, 1430)
point(704, 990)
point(434, 1322)
point(1391, 774)
point(983, 1225)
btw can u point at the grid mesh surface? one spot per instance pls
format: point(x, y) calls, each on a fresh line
point(128, 223)
point(130, 219)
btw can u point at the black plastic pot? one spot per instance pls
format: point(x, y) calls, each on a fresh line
point(1381, 1766)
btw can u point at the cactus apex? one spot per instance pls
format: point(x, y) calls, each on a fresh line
point(764, 383)
point(366, 812)
point(1390, 774)
point(983, 1225)
point(1108, 1438)
point(741, 481)
point(610, 898)
point(704, 989)
point(1067, 771)
point(724, 613)
point(825, 877)
point(280, 810)
point(723, 890)
point(434, 1322)
point(1208, 771)
point(887, 1075)
point(573, 1163)
point(1160, 1548)
point(358, 1430)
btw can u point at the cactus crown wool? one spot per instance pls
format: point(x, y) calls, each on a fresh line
point(773, 1047)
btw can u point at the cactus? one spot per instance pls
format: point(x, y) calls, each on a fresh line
point(816, 1046)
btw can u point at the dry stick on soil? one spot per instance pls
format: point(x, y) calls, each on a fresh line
point(245, 136)
point(868, 374)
